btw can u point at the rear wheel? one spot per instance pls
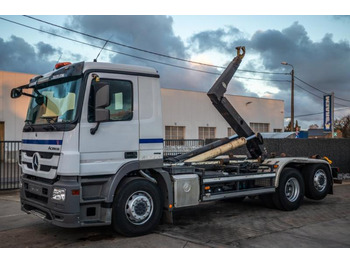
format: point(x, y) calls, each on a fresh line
point(290, 191)
point(317, 181)
point(137, 208)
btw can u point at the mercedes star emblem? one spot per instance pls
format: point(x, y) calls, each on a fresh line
point(36, 161)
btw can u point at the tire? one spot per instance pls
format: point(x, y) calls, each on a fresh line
point(137, 208)
point(317, 181)
point(290, 191)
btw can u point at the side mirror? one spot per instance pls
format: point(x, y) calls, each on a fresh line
point(101, 91)
point(101, 101)
point(16, 93)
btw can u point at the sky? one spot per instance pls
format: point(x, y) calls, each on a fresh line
point(317, 46)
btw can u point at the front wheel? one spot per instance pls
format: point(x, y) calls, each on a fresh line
point(290, 191)
point(137, 208)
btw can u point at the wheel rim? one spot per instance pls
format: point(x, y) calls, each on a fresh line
point(320, 180)
point(139, 207)
point(292, 189)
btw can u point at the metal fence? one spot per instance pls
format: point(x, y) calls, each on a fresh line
point(9, 155)
point(173, 147)
point(9, 168)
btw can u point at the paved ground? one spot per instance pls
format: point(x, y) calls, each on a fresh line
point(323, 223)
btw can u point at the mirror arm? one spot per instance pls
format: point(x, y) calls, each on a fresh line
point(30, 95)
point(93, 130)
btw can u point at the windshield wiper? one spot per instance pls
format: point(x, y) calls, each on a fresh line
point(29, 127)
point(49, 120)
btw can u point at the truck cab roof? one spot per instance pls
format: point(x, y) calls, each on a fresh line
point(79, 68)
point(138, 70)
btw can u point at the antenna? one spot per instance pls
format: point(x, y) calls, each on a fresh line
point(57, 61)
point(95, 60)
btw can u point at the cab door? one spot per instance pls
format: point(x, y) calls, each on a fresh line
point(116, 141)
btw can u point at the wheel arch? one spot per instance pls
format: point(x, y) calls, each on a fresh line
point(297, 163)
point(131, 170)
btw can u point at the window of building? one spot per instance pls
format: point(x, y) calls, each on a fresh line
point(277, 130)
point(174, 132)
point(206, 132)
point(260, 127)
point(230, 132)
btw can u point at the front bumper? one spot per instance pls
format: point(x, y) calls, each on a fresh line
point(36, 198)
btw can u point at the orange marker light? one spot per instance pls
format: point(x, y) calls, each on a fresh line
point(75, 192)
point(170, 206)
point(59, 65)
point(207, 188)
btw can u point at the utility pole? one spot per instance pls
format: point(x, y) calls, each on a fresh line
point(332, 113)
point(292, 97)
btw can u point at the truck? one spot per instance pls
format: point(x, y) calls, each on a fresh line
point(92, 153)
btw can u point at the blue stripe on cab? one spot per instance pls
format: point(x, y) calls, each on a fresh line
point(41, 142)
point(151, 140)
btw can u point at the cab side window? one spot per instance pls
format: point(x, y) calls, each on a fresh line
point(121, 100)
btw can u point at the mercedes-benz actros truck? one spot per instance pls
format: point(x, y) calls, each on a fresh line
point(92, 153)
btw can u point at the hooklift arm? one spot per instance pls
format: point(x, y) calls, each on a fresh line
point(216, 95)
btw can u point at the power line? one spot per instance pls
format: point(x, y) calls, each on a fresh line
point(318, 95)
point(320, 90)
point(310, 85)
point(144, 50)
point(155, 53)
point(134, 56)
point(177, 66)
point(110, 50)
point(312, 114)
point(308, 91)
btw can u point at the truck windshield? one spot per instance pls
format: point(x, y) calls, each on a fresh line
point(55, 103)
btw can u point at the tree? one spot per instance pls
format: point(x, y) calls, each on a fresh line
point(343, 125)
point(288, 127)
point(314, 126)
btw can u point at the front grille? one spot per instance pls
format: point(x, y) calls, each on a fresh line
point(46, 162)
point(45, 155)
point(36, 197)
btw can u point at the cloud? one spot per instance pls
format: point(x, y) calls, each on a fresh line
point(324, 64)
point(19, 56)
point(220, 39)
point(152, 33)
point(345, 18)
point(45, 50)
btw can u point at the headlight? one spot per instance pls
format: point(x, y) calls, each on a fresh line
point(59, 194)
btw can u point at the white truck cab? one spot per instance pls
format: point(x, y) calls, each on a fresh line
point(63, 145)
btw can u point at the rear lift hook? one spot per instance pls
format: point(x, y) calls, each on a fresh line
point(239, 48)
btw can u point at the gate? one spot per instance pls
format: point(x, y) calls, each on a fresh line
point(9, 168)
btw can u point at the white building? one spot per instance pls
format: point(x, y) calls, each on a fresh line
point(186, 114)
point(191, 115)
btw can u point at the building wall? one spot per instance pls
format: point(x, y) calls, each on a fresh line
point(180, 108)
point(194, 110)
point(13, 111)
